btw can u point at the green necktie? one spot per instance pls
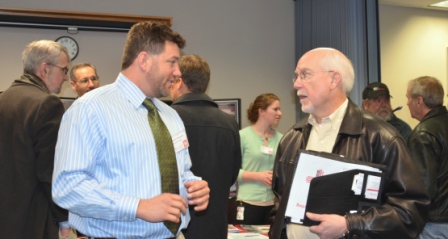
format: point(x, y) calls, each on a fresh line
point(166, 156)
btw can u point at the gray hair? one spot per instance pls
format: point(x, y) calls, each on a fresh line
point(334, 60)
point(81, 65)
point(41, 51)
point(429, 88)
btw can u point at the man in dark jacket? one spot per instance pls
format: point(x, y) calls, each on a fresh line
point(428, 144)
point(29, 122)
point(323, 78)
point(214, 146)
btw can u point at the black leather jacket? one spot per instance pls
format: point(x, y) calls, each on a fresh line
point(428, 145)
point(365, 138)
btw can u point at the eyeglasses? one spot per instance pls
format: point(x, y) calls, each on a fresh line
point(87, 79)
point(305, 75)
point(63, 69)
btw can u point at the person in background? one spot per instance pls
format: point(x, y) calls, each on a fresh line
point(323, 79)
point(114, 145)
point(30, 115)
point(259, 142)
point(376, 100)
point(214, 146)
point(428, 144)
point(83, 78)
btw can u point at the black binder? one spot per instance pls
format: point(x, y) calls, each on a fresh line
point(332, 194)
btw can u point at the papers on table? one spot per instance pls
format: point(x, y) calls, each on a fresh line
point(263, 229)
point(232, 229)
point(250, 235)
point(247, 231)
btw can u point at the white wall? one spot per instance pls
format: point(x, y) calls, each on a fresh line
point(249, 44)
point(414, 43)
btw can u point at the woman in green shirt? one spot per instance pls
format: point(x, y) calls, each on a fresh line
point(258, 145)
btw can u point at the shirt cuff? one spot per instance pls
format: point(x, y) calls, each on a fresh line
point(64, 225)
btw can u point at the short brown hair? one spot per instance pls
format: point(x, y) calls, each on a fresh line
point(195, 73)
point(149, 37)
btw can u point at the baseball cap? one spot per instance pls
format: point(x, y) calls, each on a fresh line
point(374, 90)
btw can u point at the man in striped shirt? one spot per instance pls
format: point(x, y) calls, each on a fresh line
point(106, 171)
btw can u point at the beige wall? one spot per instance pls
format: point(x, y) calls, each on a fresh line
point(250, 48)
point(414, 43)
point(249, 44)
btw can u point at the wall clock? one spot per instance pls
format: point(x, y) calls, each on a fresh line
point(70, 44)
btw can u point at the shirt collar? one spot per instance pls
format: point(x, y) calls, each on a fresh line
point(130, 91)
point(335, 117)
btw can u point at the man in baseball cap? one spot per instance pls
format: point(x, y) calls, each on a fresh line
point(376, 100)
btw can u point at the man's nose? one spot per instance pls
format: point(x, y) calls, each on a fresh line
point(297, 84)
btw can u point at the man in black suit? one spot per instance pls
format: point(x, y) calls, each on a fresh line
point(214, 146)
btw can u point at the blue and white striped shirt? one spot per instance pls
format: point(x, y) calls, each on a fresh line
point(106, 161)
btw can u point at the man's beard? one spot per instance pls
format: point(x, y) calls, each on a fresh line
point(384, 114)
point(309, 109)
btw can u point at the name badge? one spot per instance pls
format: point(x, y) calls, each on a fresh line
point(267, 150)
point(180, 141)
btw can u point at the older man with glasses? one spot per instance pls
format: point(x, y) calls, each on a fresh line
point(84, 78)
point(323, 79)
point(30, 114)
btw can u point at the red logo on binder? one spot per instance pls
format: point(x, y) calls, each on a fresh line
point(319, 173)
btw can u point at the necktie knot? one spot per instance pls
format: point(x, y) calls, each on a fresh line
point(149, 104)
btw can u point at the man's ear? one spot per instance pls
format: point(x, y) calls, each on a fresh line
point(182, 87)
point(336, 79)
point(144, 60)
point(73, 85)
point(42, 70)
point(364, 104)
point(181, 83)
point(420, 101)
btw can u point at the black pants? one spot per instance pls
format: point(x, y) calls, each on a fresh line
point(254, 215)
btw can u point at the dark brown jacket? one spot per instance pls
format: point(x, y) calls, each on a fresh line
point(29, 124)
point(361, 137)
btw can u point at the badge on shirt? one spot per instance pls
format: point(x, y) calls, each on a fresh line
point(180, 141)
point(266, 150)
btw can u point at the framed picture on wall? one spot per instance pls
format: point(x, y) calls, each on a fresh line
point(231, 107)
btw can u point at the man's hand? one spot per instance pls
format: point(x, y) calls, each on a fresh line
point(331, 225)
point(165, 207)
point(65, 232)
point(198, 194)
